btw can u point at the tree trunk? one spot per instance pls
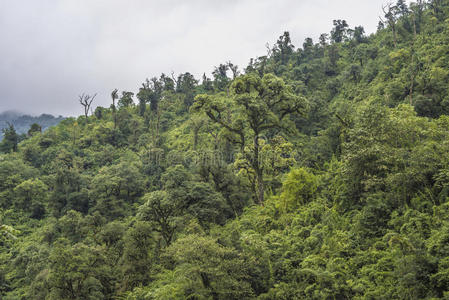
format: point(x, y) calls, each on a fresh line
point(393, 28)
point(414, 27)
point(412, 82)
point(260, 187)
point(195, 137)
point(258, 170)
point(413, 72)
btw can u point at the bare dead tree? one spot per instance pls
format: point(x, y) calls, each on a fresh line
point(86, 101)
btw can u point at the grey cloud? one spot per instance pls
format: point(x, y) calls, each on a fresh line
point(53, 50)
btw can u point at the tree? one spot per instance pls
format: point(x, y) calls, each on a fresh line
point(339, 31)
point(115, 185)
point(298, 188)
point(323, 39)
point(437, 8)
point(402, 8)
point(234, 69)
point(34, 128)
point(359, 34)
point(86, 101)
point(207, 84)
point(196, 123)
point(99, 112)
point(201, 268)
point(137, 258)
point(259, 104)
point(416, 11)
point(13, 172)
point(114, 96)
point(181, 198)
point(167, 83)
point(390, 13)
point(221, 79)
point(10, 139)
point(30, 196)
point(186, 84)
point(144, 97)
point(77, 272)
point(126, 100)
point(156, 88)
point(380, 25)
point(283, 48)
point(162, 212)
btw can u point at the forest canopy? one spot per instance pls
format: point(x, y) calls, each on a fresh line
point(315, 172)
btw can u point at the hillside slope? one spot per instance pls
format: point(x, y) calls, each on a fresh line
point(321, 172)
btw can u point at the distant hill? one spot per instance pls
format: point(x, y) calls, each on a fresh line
point(22, 122)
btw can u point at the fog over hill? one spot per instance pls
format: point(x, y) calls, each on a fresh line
point(22, 122)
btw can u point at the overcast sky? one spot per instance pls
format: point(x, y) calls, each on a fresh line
point(53, 50)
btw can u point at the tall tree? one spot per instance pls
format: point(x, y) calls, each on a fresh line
point(338, 33)
point(391, 14)
point(126, 100)
point(359, 34)
point(283, 48)
point(207, 84)
point(156, 88)
point(167, 82)
point(114, 96)
point(161, 211)
point(144, 96)
point(402, 8)
point(323, 39)
point(186, 84)
point(10, 139)
point(221, 79)
point(258, 105)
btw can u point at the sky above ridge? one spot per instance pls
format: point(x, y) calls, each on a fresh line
point(54, 50)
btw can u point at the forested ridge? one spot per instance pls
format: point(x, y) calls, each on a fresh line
point(315, 172)
point(22, 122)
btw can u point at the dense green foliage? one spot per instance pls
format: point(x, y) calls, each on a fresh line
point(322, 172)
